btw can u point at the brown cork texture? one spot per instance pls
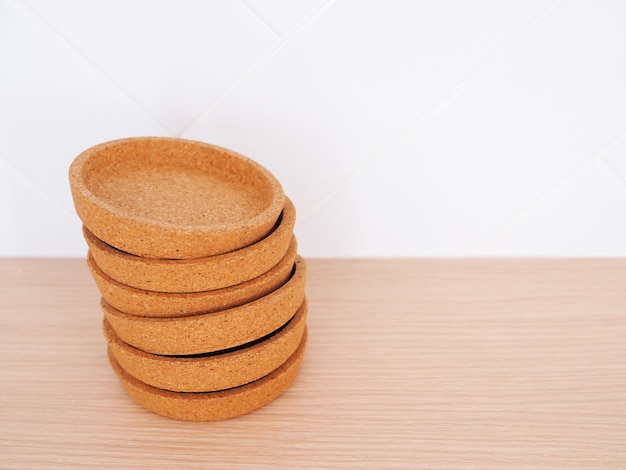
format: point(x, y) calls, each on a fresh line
point(204, 333)
point(164, 304)
point(213, 406)
point(214, 371)
point(200, 274)
point(162, 197)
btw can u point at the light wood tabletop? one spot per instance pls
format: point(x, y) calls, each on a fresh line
point(410, 364)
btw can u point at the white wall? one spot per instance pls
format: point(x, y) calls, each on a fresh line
point(398, 128)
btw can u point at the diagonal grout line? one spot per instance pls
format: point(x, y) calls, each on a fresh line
point(617, 174)
point(30, 13)
point(309, 17)
point(613, 172)
point(25, 180)
point(597, 156)
point(439, 106)
point(260, 19)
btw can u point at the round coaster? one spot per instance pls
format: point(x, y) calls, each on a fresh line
point(162, 197)
point(209, 372)
point(200, 274)
point(204, 333)
point(164, 304)
point(212, 406)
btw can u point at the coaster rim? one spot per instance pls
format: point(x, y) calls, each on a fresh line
point(211, 372)
point(217, 405)
point(197, 274)
point(147, 303)
point(215, 331)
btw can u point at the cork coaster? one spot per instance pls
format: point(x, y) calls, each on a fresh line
point(218, 371)
point(164, 304)
point(200, 274)
point(224, 329)
point(161, 197)
point(213, 406)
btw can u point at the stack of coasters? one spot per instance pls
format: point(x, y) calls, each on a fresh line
point(203, 292)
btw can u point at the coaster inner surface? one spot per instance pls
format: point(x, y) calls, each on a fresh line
point(163, 197)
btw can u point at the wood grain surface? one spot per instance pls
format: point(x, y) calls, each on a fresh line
point(411, 364)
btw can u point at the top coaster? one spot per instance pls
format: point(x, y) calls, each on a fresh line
point(161, 197)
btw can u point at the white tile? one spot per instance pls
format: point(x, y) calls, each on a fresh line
point(585, 216)
point(342, 85)
point(544, 108)
point(398, 206)
point(173, 58)
point(31, 224)
point(54, 106)
point(379, 215)
point(282, 15)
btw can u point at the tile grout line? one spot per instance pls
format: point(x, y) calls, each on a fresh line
point(260, 19)
point(535, 202)
point(308, 18)
point(613, 171)
point(25, 180)
point(33, 15)
point(439, 106)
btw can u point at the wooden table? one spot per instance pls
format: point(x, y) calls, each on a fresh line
point(411, 364)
